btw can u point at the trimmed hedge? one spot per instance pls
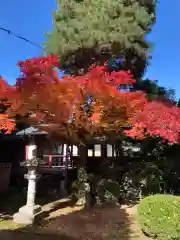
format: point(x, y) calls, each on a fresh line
point(159, 216)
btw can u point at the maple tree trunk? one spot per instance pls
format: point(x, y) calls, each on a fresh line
point(83, 177)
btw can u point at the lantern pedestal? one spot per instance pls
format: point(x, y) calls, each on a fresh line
point(28, 213)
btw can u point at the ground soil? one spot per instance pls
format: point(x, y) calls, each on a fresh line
point(64, 221)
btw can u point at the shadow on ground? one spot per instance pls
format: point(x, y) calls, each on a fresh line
point(17, 235)
point(100, 223)
point(63, 220)
point(11, 202)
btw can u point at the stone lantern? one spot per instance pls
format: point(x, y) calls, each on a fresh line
point(27, 213)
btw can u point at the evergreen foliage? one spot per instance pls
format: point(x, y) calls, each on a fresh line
point(93, 31)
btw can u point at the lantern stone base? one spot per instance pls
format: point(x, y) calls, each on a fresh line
point(27, 214)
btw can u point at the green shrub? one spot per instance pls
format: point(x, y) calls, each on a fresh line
point(108, 190)
point(159, 216)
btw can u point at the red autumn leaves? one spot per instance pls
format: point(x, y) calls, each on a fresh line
point(7, 124)
point(159, 119)
point(42, 95)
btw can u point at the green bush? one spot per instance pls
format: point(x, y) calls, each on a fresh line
point(108, 190)
point(159, 216)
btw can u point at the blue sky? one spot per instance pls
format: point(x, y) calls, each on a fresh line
point(32, 19)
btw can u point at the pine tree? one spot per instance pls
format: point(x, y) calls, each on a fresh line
point(155, 91)
point(94, 31)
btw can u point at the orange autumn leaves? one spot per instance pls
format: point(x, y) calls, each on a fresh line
point(49, 99)
point(7, 125)
point(93, 103)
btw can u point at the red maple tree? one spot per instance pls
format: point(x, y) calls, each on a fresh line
point(78, 105)
point(91, 104)
point(157, 119)
point(7, 125)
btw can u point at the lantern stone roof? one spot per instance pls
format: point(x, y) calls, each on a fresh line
point(30, 131)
